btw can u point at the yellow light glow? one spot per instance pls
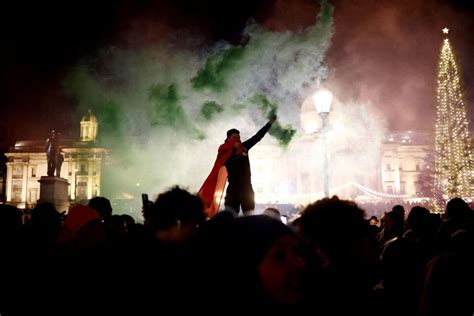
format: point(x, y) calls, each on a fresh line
point(453, 163)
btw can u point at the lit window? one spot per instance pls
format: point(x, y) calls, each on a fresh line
point(389, 189)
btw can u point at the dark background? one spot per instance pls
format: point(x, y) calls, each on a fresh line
point(382, 52)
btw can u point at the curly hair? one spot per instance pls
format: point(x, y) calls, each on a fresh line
point(173, 205)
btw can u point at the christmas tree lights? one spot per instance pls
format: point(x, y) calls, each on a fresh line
point(453, 171)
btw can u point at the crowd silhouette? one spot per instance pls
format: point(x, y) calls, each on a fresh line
point(332, 259)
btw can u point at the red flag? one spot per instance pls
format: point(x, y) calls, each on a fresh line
point(212, 190)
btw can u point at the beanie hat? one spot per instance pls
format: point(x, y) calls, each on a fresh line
point(78, 216)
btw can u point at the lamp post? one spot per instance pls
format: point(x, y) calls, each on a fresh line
point(322, 101)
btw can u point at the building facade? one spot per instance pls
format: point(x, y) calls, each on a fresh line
point(2, 184)
point(83, 160)
point(403, 169)
point(407, 163)
point(295, 174)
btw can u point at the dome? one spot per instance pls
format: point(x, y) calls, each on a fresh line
point(89, 127)
point(89, 117)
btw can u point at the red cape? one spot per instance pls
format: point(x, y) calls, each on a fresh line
point(213, 188)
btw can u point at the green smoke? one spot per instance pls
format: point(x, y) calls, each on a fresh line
point(217, 69)
point(163, 110)
point(210, 109)
point(282, 134)
point(109, 114)
point(94, 96)
point(167, 111)
point(165, 107)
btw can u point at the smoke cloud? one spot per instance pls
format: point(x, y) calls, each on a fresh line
point(164, 110)
point(387, 52)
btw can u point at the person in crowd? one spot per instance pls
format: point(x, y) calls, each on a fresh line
point(250, 262)
point(175, 216)
point(341, 253)
point(400, 210)
point(272, 212)
point(233, 155)
point(392, 227)
point(102, 206)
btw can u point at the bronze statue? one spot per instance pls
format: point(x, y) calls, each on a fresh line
point(59, 162)
point(52, 152)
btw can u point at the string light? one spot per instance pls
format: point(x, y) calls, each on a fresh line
point(380, 194)
point(453, 156)
point(308, 198)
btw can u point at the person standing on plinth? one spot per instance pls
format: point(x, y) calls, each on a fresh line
point(233, 155)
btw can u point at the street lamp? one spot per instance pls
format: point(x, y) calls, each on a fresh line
point(322, 101)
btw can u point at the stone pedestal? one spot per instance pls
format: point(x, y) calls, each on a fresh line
point(54, 190)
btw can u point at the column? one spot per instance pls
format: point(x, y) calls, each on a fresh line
point(397, 175)
point(98, 176)
point(75, 171)
point(9, 183)
point(24, 185)
point(90, 165)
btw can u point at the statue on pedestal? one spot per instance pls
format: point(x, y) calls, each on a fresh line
point(59, 162)
point(53, 151)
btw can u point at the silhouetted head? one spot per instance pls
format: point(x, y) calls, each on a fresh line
point(272, 212)
point(257, 256)
point(46, 221)
point(457, 209)
point(233, 131)
point(419, 219)
point(337, 226)
point(102, 206)
point(399, 209)
point(175, 215)
point(10, 219)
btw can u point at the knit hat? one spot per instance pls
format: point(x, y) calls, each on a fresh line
point(78, 216)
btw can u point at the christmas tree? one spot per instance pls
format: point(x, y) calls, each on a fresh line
point(452, 139)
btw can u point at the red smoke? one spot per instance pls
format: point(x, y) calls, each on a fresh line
point(386, 52)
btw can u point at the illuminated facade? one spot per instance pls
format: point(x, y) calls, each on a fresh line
point(295, 174)
point(404, 170)
point(83, 159)
point(2, 185)
point(406, 163)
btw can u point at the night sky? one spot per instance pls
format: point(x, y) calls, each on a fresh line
point(382, 52)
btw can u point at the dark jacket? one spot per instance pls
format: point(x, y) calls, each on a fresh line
point(238, 166)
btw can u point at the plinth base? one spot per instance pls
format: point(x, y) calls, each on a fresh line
point(54, 190)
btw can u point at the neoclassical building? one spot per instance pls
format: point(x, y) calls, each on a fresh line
point(294, 177)
point(406, 163)
point(83, 159)
point(402, 170)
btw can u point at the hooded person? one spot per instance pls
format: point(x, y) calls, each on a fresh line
point(254, 261)
point(232, 164)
